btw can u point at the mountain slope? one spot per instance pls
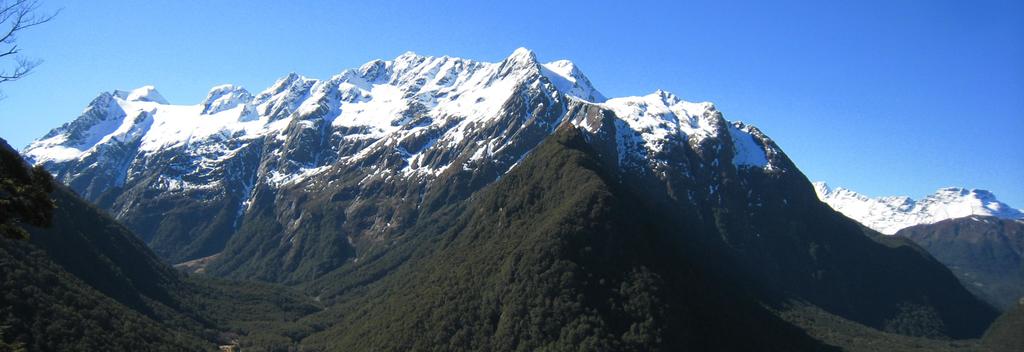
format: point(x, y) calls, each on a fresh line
point(550, 257)
point(984, 252)
point(85, 283)
point(559, 253)
point(890, 214)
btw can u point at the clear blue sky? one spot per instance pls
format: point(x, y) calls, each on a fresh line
point(884, 97)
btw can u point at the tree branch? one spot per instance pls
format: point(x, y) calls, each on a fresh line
point(17, 16)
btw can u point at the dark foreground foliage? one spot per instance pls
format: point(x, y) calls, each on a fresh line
point(47, 309)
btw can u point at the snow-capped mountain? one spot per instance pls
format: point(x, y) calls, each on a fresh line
point(385, 180)
point(376, 137)
point(891, 214)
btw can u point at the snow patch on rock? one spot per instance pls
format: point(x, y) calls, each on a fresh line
point(747, 152)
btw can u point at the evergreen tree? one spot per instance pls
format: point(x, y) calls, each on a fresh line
point(24, 195)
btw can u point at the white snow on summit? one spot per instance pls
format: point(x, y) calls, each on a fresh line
point(660, 116)
point(147, 94)
point(224, 97)
point(891, 214)
point(569, 79)
point(419, 106)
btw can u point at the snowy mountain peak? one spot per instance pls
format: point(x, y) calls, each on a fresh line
point(146, 94)
point(373, 68)
point(570, 80)
point(521, 61)
point(821, 187)
point(956, 192)
point(224, 97)
point(893, 213)
point(522, 55)
point(666, 97)
point(660, 114)
point(283, 83)
point(407, 56)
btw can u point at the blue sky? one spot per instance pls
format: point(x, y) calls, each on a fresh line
point(883, 97)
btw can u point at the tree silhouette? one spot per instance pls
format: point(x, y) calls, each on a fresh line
point(15, 17)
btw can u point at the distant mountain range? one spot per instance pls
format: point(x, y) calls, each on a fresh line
point(893, 213)
point(438, 203)
point(978, 237)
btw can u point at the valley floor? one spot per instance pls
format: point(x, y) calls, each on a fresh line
point(852, 336)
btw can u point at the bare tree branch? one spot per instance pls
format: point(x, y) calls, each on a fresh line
point(16, 16)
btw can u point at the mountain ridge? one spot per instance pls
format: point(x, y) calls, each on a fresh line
point(413, 117)
point(890, 214)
